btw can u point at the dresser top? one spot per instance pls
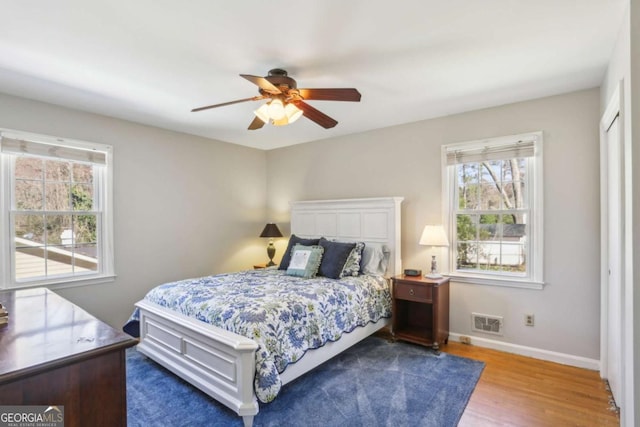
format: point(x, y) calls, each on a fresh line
point(45, 330)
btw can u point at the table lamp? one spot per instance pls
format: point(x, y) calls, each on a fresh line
point(271, 230)
point(434, 235)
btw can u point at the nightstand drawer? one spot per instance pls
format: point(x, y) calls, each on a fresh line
point(413, 292)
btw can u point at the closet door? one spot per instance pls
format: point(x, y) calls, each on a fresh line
point(615, 231)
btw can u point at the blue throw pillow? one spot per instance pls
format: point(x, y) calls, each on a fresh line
point(334, 257)
point(293, 240)
point(352, 265)
point(305, 261)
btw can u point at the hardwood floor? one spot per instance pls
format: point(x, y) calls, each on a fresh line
point(521, 391)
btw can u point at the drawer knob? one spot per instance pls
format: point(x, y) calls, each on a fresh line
point(411, 291)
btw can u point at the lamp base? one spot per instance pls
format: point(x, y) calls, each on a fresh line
point(271, 251)
point(433, 274)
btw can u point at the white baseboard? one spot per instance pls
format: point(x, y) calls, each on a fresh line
point(536, 353)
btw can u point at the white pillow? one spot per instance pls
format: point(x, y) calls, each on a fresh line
point(375, 259)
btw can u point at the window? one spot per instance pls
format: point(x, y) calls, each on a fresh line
point(494, 192)
point(56, 210)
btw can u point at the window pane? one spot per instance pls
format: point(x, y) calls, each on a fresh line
point(513, 258)
point(29, 228)
point(56, 170)
point(490, 197)
point(509, 196)
point(84, 228)
point(489, 227)
point(468, 186)
point(82, 197)
point(489, 256)
point(28, 195)
point(491, 172)
point(467, 256)
point(30, 262)
point(467, 227)
point(515, 231)
point(82, 173)
point(29, 168)
point(86, 257)
point(59, 260)
point(58, 196)
point(59, 230)
point(517, 168)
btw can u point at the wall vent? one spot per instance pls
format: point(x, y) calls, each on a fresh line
point(487, 323)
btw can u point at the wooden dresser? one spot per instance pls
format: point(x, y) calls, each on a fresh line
point(54, 353)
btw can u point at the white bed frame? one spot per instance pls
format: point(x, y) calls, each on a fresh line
point(221, 363)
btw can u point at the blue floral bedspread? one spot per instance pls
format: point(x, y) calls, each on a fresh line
point(285, 315)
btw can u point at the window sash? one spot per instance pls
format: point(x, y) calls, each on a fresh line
point(61, 249)
point(500, 241)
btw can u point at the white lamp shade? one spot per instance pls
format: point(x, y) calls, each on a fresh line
point(293, 113)
point(280, 122)
point(263, 113)
point(276, 109)
point(434, 235)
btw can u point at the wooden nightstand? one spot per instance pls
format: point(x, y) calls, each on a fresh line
point(421, 310)
point(259, 266)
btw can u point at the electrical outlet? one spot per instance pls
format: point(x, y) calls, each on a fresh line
point(529, 319)
point(465, 339)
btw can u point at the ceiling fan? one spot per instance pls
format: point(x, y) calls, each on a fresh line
point(287, 102)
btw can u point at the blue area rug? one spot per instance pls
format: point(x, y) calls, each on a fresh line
point(374, 383)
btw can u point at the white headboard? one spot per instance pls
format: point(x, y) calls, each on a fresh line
point(375, 220)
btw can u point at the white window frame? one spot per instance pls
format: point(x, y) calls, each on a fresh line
point(534, 279)
point(104, 206)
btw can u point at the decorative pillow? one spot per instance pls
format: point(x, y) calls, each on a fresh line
point(352, 265)
point(334, 257)
point(305, 261)
point(286, 257)
point(375, 259)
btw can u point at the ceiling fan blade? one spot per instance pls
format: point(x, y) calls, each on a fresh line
point(330, 94)
point(315, 115)
point(262, 83)
point(256, 124)
point(254, 98)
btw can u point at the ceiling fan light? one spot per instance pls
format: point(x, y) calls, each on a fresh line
point(293, 113)
point(263, 113)
point(282, 122)
point(276, 110)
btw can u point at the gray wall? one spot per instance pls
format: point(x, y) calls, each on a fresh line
point(405, 161)
point(185, 206)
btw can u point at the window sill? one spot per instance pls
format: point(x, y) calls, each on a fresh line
point(63, 282)
point(493, 281)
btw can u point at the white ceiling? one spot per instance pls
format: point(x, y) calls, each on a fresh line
point(152, 61)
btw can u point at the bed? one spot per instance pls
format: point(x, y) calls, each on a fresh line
point(229, 366)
